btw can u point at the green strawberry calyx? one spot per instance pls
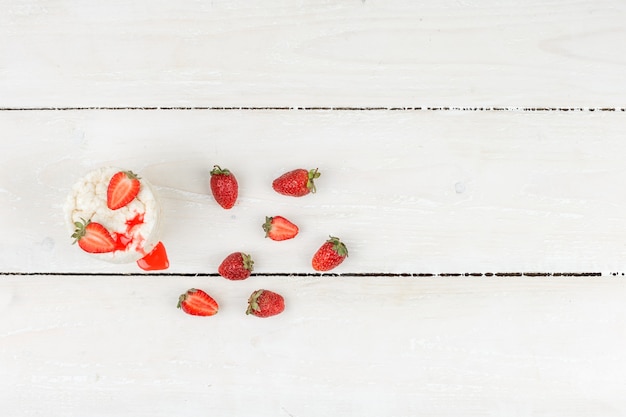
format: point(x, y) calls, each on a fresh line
point(312, 175)
point(80, 229)
point(267, 226)
point(131, 175)
point(248, 263)
point(217, 170)
point(183, 297)
point(253, 302)
point(338, 246)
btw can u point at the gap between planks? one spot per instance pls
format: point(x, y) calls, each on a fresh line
point(326, 274)
point(323, 108)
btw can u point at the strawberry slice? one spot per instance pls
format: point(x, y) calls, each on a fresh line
point(93, 237)
point(156, 260)
point(123, 188)
point(279, 228)
point(197, 303)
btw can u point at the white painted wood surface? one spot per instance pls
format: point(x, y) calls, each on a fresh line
point(559, 53)
point(416, 194)
point(81, 346)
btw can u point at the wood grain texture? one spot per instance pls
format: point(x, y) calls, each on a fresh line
point(416, 192)
point(559, 53)
point(468, 180)
point(95, 346)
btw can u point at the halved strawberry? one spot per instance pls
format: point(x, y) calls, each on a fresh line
point(93, 237)
point(279, 228)
point(197, 303)
point(123, 188)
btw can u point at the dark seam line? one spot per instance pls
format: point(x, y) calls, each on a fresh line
point(324, 108)
point(320, 274)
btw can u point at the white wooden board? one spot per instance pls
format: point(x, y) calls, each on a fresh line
point(471, 156)
point(101, 346)
point(65, 53)
point(409, 192)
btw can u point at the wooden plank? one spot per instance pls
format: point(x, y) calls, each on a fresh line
point(76, 346)
point(63, 53)
point(408, 191)
point(477, 238)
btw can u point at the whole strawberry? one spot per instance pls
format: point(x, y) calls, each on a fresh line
point(278, 228)
point(224, 187)
point(329, 255)
point(197, 303)
point(236, 266)
point(93, 237)
point(123, 188)
point(265, 303)
point(296, 183)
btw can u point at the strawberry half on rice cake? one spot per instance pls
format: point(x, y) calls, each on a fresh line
point(114, 216)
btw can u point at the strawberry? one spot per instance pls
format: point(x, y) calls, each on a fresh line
point(93, 237)
point(155, 260)
point(296, 183)
point(197, 303)
point(265, 303)
point(236, 266)
point(329, 255)
point(123, 188)
point(224, 187)
point(279, 228)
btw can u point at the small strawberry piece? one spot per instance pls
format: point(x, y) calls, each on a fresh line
point(296, 183)
point(329, 255)
point(265, 303)
point(279, 228)
point(197, 303)
point(123, 188)
point(156, 260)
point(224, 187)
point(93, 237)
point(236, 266)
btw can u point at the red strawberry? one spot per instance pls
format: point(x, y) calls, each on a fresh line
point(155, 260)
point(123, 188)
point(93, 237)
point(296, 183)
point(236, 266)
point(329, 255)
point(197, 303)
point(279, 228)
point(224, 187)
point(265, 303)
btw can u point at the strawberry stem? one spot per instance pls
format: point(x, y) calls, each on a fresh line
point(183, 297)
point(338, 246)
point(310, 183)
point(217, 170)
point(80, 231)
point(253, 304)
point(247, 261)
point(131, 175)
point(267, 226)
